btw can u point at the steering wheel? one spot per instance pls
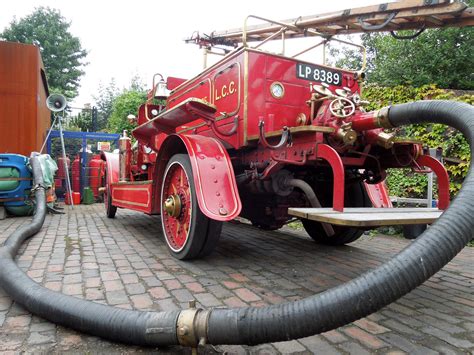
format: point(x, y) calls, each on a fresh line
point(341, 107)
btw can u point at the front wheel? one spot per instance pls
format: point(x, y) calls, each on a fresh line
point(189, 234)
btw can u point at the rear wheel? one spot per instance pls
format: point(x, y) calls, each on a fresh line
point(110, 210)
point(189, 234)
point(356, 196)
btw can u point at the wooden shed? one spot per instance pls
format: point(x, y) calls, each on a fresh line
point(24, 117)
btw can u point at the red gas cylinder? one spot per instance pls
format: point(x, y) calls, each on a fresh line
point(61, 173)
point(96, 173)
point(76, 174)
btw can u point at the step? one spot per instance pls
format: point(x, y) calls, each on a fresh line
point(369, 217)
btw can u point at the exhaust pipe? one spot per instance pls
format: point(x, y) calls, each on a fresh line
point(249, 325)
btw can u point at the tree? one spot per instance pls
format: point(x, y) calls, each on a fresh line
point(443, 57)
point(82, 121)
point(125, 104)
point(105, 102)
point(62, 53)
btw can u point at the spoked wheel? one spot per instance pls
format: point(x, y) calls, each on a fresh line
point(188, 232)
point(355, 197)
point(110, 210)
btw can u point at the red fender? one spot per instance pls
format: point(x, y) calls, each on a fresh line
point(214, 177)
point(112, 166)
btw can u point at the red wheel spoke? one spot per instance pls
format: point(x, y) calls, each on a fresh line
point(177, 228)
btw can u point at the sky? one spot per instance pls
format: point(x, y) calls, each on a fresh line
point(140, 37)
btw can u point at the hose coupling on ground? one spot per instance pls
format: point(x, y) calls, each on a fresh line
point(192, 326)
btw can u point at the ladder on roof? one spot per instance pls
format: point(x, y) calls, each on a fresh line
point(403, 15)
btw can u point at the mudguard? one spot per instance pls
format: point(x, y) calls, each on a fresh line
point(112, 165)
point(214, 179)
point(378, 194)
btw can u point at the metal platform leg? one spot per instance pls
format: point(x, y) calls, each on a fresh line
point(328, 153)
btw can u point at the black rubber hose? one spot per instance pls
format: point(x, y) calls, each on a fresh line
point(328, 310)
point(379, 287)
point(121, 325)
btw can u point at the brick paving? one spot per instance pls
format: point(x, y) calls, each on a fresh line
point(124, 262)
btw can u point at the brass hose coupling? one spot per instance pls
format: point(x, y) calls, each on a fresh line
point(381, 118)
point(192, 326)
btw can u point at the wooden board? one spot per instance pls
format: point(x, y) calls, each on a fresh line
point(369, 217)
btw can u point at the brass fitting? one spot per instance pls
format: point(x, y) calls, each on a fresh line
point(347, 136)
point(172, 206)
point(301, 119)
point(192, 326)
point(381, 118)
point(385, 140)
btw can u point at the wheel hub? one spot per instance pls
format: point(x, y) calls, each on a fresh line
point(172, 205)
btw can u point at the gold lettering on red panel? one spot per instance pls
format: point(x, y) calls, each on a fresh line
point(226, 89)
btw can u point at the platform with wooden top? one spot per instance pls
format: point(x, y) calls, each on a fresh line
point(369, 217)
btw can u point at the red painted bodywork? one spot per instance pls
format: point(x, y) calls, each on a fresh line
point(112, 166)
point(216, 189)
point(443, 178)
point(221, 135)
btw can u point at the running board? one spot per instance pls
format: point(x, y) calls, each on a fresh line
point(369, 217)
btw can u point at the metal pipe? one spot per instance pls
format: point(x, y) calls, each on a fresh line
point(269, 38)
point(312, 198)
point(66, 169)
point(308, 49)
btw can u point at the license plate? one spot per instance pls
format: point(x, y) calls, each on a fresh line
point(317, 73)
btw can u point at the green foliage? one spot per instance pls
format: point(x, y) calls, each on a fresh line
point(125, 104)
point(82, 121)
point(62, 53)
point(403, 182)
point(444, 57)
point(105, 103)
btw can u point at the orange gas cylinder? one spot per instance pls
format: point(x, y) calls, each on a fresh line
point(96, 172)
point(76, 198)
point(76, 174)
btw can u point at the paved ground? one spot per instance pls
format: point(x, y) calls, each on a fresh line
point(124, 262)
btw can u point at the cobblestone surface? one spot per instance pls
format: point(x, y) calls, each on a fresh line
point(124, 262)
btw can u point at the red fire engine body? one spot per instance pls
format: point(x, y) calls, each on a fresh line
point(269, 138)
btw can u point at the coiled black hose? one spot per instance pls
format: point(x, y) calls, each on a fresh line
point(322, 312)
point(381, 286)
point(121, 325)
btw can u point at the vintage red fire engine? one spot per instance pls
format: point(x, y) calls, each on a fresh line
point(268, 137)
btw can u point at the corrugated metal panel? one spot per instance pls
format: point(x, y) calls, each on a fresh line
point(24, 118)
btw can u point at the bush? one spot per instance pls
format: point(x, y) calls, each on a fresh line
point(402, 182)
